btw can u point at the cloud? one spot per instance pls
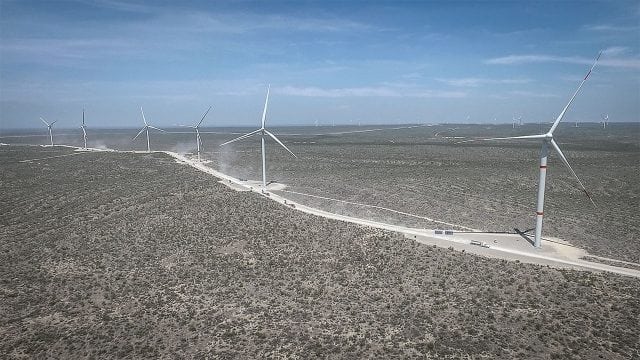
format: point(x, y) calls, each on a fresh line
point(380, 91)
point(120, 6)
point(633, 63)
point(47, 49)
point(243, 23)
point(475, 82)
point(615, 50)
point(611, 28)
point(179, 19)
point(532, 94)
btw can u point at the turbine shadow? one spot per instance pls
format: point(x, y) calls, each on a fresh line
point(525, 235)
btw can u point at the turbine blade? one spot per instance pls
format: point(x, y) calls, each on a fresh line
point(564, 160)
point(44, 121)
point(153, 127)
point(357, 131)
point(264, 111)
point(281, 144)
point(559, 118)
point(506, 138)
point(203, 116)
point(143, 118)
point(54, 121)
point(82, 117)
point(141, 131)
point(241, 137)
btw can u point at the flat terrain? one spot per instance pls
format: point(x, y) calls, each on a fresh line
point(135, 255)
point(489, 186)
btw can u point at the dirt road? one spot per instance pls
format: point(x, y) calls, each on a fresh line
point(553, 252)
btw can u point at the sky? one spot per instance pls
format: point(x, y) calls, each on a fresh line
point(342, 62)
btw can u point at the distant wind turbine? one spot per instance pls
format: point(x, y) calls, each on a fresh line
point(146, 128)
point(49, 126)
point(84, 130)
point(547, 140)
point(262, 131)
point(605, 120)
point(196, 127)
point(517, 121)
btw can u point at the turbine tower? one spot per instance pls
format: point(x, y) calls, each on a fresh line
point(84, 130)
point(517, 121)
point(262, 131)
point(547, 141)
point(196, 127)
point(49, 126)
point(146, 128)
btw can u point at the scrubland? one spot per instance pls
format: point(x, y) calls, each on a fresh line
point(491, 186)
point(135, 255)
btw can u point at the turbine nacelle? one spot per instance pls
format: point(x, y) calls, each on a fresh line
point(547, 140)
point(196, 127)
point(146, 128)
point(49, 127)
point(262, 131)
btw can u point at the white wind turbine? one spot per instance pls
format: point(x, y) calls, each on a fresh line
point(146, 128)
point(84, 130)
point(263, 131)
point(197, 129)
point(49, 126)
point(517, 121)
point(605, 120)
point(547, 139)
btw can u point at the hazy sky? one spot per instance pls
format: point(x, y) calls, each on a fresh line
point(348, 61)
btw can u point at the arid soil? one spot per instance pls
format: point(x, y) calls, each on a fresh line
point(424, 171)
point(486, 185)
point(134, 255)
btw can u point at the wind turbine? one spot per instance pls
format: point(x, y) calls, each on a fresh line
point(547, 140)
point(263, 131)
point(84, 130)
point(517, 121)
point(197, 129)
point(605, 120)
point(146, 128)
point(49, 126)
